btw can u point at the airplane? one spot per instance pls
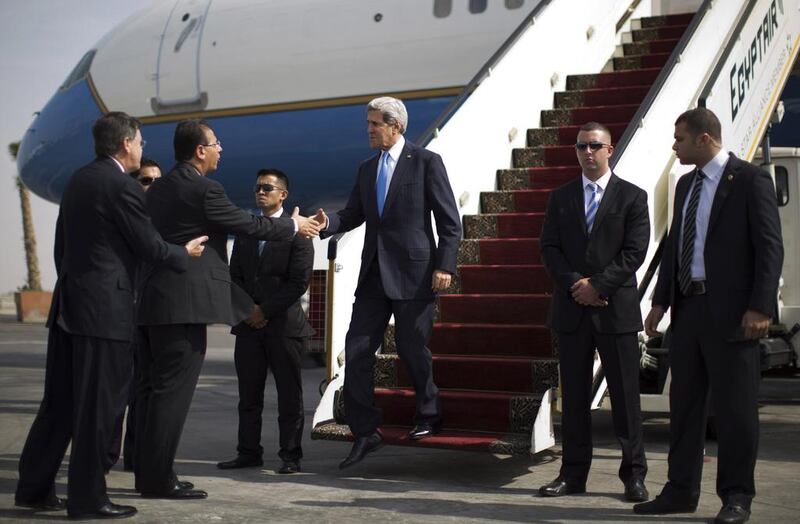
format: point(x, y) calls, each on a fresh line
point(284, 84)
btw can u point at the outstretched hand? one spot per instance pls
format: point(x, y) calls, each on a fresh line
point(321, 218)
point(195, 246)
point(306, 227)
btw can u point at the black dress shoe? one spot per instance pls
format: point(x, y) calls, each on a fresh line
point(662, 505)
point(289, 466)
point(107, 511)
point(423, 430)
point(635, 491)
point(242, 461)
point(732, 514)
point(52, 503)
point(183, 484)
point(361, 447)
point(560, 487)
point(177, 492)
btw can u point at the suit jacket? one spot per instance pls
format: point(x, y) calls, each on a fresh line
point(609, 256)
point(102, 234)
point(743, 251)
point(402, 238)
point(275, 280)
point(184, 205)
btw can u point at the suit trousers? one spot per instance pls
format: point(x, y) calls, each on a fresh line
point(255, 355)
point(619, 355)
point(125, 445)
point(703, 361)
point(170, 359)
point(86, 383)
point(413, 324)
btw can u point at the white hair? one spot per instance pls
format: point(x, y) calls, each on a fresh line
point(392, 109)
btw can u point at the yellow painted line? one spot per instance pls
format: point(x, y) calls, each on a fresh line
point(786, 68)
point(95, 94)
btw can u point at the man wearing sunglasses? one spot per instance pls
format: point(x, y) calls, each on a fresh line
point(148, 173)
point(593, 240)
point(275, 274)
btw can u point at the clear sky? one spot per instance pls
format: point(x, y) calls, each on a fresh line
point(40, 43)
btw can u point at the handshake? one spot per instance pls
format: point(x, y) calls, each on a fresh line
point(309, 227)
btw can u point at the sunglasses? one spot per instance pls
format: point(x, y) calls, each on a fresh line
point(266, 188)
point(146, 180)
point(594, 146)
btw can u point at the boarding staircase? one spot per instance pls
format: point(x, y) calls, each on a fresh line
point(493, 357)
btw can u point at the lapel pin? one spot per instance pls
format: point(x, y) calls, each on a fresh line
point(408, 156)
point(730, 177)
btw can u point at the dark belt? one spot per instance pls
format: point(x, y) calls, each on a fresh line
point(697, 287)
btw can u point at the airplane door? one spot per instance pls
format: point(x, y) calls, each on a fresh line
point(178, 74)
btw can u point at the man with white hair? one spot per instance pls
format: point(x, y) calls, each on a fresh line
point(402, 269)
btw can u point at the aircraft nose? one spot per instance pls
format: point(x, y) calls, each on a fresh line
point(58, 141)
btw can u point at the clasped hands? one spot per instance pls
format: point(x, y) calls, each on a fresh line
point(584, 293)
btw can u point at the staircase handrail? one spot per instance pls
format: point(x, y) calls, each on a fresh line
point(484, 72)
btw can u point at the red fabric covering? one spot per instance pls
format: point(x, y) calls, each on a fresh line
point(504, 279)
point(532, 200)
point(490, 339)
point(494, 309)
point(519, 225)
point(509, 251)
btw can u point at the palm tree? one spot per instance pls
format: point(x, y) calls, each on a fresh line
point(32, 261)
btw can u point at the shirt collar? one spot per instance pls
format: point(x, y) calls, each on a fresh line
point(602, 182)
point(276, 214)
point(713, 170)
point(396, 150)
point(119, 164)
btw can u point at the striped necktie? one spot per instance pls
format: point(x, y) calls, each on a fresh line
point(689, 233)
point(382, 183)
point(591, 210)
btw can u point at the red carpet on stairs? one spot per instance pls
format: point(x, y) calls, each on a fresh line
point(493, 357)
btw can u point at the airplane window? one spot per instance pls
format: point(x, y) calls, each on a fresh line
point(477, 6)
point(442, 8)
point(80, 71)
point(514, 4)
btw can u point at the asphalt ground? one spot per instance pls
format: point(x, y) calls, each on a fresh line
point(395, 484)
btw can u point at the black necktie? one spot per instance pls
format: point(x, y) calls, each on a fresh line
point(689, 233)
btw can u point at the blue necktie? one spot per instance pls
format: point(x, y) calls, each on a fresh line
point(383, 181)
point(591, 211)
point(261, 244)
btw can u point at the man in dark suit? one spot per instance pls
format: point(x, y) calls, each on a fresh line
point(719, 274)
point(594, 238)
point(175, 308)
point(401, 269)
point(102, 233)
point(275, 275)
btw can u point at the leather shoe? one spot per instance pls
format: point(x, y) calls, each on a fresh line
point(361, 447)
point(106, 511)
point(183, 484)
point(177, 492)
point(242, 461)
point(662, 505)
point(51, 503)
point(423, 430)
point(560, 487)
point(732, 514)
point(635, 491)
point(289, 466)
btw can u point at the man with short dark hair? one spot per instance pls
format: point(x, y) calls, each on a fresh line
point(175, 308)
point(102, 233)
point(148, 173)
point(594, 238)
point(719, 274)
point(276, 275)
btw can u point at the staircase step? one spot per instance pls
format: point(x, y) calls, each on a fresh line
point(504, 225)
point(504, 279)
point(465, 410)
point(542, 156)
point(566, 135)
point(658, 33)
point(581, 115)
point(600, 97)
point(484, 373)
point(653, 46)
point(613, 79)
point(666, 20)
point(528, 340)
point(642, 61)
point(492, 442)
point(494, 308)
point(507, 251)
point(522, 200)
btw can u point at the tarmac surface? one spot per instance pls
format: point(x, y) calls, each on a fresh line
point(395, 484)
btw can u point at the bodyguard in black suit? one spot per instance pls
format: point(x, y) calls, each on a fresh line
point(402, 268)
point(275, 275)
point(102, 233)
point(593, 240)
point(719, 274)
point(175, 307)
